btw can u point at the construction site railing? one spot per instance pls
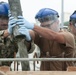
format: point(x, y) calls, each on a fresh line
point(37, 59)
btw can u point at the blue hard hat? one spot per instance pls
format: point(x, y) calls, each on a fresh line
point(4, 7)
point(45, 12)
point(73, 16)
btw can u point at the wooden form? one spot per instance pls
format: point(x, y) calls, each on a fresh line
point(41, 73)
point(71, 68)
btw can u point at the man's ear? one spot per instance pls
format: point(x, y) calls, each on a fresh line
point(70, 23)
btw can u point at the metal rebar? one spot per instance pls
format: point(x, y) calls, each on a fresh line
point(37, 59)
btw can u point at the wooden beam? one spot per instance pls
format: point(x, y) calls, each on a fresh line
point(15, 9)
point(40, 73)
point(71, 68)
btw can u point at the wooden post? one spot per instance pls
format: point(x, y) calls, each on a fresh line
point(15, 9)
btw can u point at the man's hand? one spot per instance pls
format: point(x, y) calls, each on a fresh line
point(11, 24)
point(25, 31)
point(24, 23)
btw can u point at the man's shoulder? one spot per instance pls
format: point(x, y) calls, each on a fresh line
point(69, 37)
point(67, 33)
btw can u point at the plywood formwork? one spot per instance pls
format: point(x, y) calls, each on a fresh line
point(4, 68)
point(71, 68)
point(41, 73)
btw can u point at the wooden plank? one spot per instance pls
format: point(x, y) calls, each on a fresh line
point(4, 68)
point(15, 9)
point(41, 73)
point(71, 68)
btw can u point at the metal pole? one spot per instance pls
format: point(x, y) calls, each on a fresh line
point(62, 13)
point(37, 59)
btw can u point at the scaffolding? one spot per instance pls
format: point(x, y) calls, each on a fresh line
point(37, 59)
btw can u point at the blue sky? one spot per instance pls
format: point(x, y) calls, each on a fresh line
point(31, 7)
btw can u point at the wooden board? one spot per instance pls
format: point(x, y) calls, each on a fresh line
point(71, 68)
point(41, 73)
point(4, 68)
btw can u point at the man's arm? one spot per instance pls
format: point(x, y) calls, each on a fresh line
point(49, 34)
point(46, 33)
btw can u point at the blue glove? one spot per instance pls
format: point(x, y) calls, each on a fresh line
point(25, 31)
point(11, 24)
point(9, 13)
point(22, 22)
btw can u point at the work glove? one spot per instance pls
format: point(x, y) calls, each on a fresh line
point(11, 24)
point(9, 13)
point(23, 22)
point(25, 31)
